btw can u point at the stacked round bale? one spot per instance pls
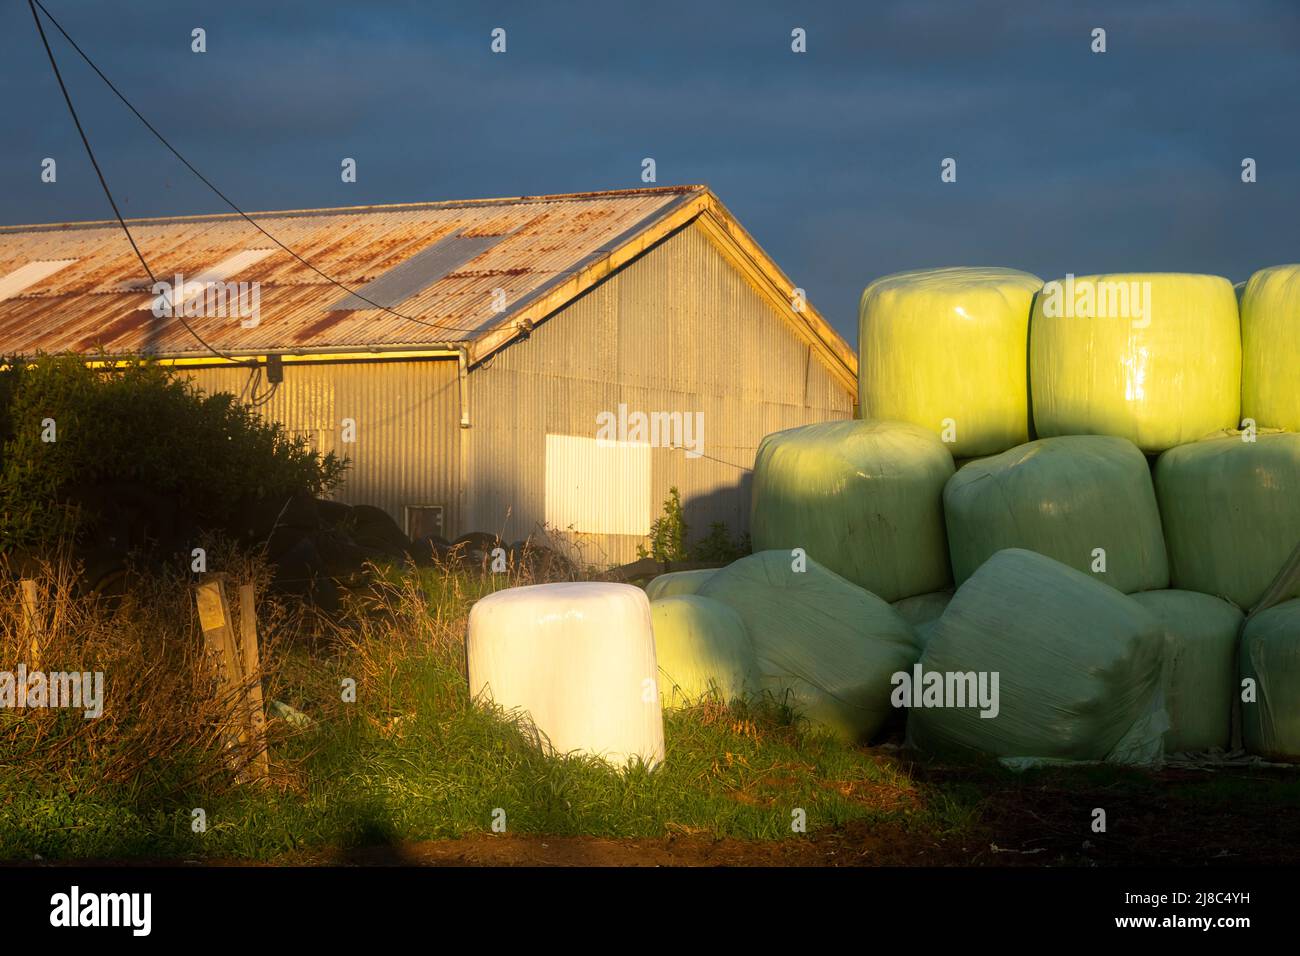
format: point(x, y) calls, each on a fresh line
point(1107, 530)
point(1154, 358)
point(784, 626)
point(1074, 667)
point(945, 349)
point(1154, 364)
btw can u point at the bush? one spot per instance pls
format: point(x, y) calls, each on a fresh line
point(668, 538)
point(136, 424)
point(667, 532)
point(718, 546)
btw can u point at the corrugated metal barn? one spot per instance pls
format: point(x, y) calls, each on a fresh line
point(522, 326)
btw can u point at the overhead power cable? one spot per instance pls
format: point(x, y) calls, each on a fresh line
point(67, 98)
point(207, 182)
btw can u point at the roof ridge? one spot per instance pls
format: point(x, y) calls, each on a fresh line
point(372, 207)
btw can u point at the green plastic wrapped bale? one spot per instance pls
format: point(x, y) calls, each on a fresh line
point(921, 611)
point(1200, 675)
point(1151, 357)
point(1078, 668)
point(863, 498)
point(1081, 499)
point(945, 349)
point(822, 643)
point(677, 582)
point(1270, 656)
point(1270, 348)
point(702, 650)
point(1231, 513)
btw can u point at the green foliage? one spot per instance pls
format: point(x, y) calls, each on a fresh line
point(668, 538)
point(139, 424)
point(718, 545)
point(668, 532)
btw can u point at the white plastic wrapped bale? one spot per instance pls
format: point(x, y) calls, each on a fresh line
point(1151, 357)
point(677, 582)
point(921, 611)
point(1270, 658)
point(1231, 513)
point(1085, 500)
point(945, 349)
point(1270, 348)
point(1077, 665)
point(579, 658)
point(863, 498)
point(823, 641)
point(702, 650)
point(1200, 670)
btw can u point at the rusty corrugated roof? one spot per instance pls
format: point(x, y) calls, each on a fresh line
point(97, 301)
point(551, 249)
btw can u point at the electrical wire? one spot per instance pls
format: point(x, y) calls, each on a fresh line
point(700, 454)
point(67, 97)
point(229, 202)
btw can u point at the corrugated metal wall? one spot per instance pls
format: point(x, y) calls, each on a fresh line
point(677, 330)
point(407, 437)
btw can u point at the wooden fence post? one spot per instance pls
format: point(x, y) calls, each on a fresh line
point(240, 684)
point(250, 658)
point(30, 639)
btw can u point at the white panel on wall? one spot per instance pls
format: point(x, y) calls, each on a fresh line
point(597, 487)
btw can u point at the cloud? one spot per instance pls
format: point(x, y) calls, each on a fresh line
point(1068, 161)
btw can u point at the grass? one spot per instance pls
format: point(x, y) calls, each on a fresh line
point(420, 761)
point(415, 759)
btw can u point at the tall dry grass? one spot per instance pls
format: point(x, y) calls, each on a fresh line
point(162, 727)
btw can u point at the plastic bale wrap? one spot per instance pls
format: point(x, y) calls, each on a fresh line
point(863, 498)
point(1200, 670)
point(1270, 348)
point(1078, 665)
point(702, 650)
point(921, 611)
point(1270, 656)
point(1231, 513)
point(1065, 498)
point(944, 346)
point(574, 656)
point(677, 582)
point(1101, 362)
point(822, 643)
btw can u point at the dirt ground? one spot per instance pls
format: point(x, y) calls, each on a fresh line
point(1027, 826)
point(1185, 818)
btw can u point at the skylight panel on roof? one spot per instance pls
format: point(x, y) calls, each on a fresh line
point(414, 275)
point(24, 277)
point(199, 284)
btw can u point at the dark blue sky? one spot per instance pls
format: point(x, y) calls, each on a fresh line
point(1068, 161)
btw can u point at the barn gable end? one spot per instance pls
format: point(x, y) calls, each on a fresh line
point(678, 330)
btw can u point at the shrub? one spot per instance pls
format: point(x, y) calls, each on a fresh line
point(668, 538)
point(667, 532)
point(135, 423)
point(718, 546)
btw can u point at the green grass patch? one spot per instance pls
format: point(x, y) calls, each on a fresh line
point(413, 759)
point(416, 759)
